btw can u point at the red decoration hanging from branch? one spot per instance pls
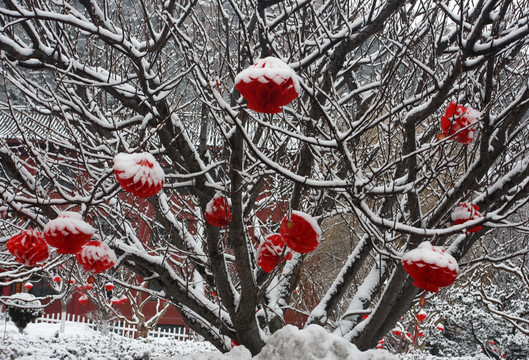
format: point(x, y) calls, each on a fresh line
point(218, 211)
point(115, 301)
point(139, 174)
point(457, 117)
point(270, 251)
point(28, 285)
point(301, 232)
point(430, 266)
point(397, 332)
point(96, 257)
point(421, 316)
point(465, 212)
point(83, 299)
point(267, 85)
point(440, 327)
point(56, 278)
point(28, 247)
point(109, 286)
point(68, 232)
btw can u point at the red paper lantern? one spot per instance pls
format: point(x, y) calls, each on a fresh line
point(83, 299)
point(270, 251)
point(301, 232)
point(123, 299)
point(88, 286)
point(465, 212)
point(267, 85)
point(380, 346)
point(109, 286)
point(365, 316)
point(56, 278)
point(456, 118)
point(28, 285)
point(440, 327)
point(139, 174)
point(96, 257)
point(68, 232)
point(115, 301)
point(421, 316)
point(218, 211)
point(430, 266)
point(397, 332)
point(381, 341)
point(420, 334)
point(28, 247)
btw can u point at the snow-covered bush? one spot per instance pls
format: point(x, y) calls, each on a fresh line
point(23, 308)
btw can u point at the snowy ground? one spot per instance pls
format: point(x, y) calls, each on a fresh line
point(41, 342)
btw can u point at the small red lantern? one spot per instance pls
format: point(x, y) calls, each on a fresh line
point(139, 174)
point(465, 212)
point(115, 301)
point(56, 278)
point(430, 266)
point(381, 341)
point(28, 285)
point(397, 332)
point(234, 343)
point(68, 232)
point(96, 257)
point(421, 316)
point(301, 232)
point(218, 211)
point(123, 299)
point(456, 118)
point(109, 286)
point(83, 299)
point(270, 251)
point(267, 85)
point(380, 346)
point(440, 327)
point(88, 286)
point(420, 334)
point(365, 316)
point(28, 247)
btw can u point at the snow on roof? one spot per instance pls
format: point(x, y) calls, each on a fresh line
point(32, 125)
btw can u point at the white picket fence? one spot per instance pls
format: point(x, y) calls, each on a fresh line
point(120, 327)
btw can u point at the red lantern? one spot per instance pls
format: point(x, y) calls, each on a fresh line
point(365, 316)
point(270, 251)
point(123, 299)
point(465, 212)
point(218, 211)
point(28, 247)
point(68, 232)
point(139, 174)
point(456, 118)
point(267, 85)
point(381, 341)
point(88, 286)
point(115, 301)
point(440, 327)
point(420, 334)
point(109, 286)
point(397, 332)
point(28, 285)
point(83, 299)
point(380, 346)
point(96, 257)
point(56, 278)
point(301, 232)
point(71, 282)
point(430, 266)
point(421, 316)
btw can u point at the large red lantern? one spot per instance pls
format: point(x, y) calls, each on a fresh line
point(139, 174)
point(457, 117)
point(96, 257)
point(301, 232)
point(218, 211)
point(270, 251)
point(68, 232)
point(430, 266)
point(28, 247)
point(465, 212)
point(267, 85)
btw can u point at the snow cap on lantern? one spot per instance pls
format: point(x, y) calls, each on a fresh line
point(139, 174)
point(301, 232)
point(218, 211)
point(96, 257)
point(465, 212)
point(68, 232)
point(28, 247)
point(267, 85)
point(430, 266)
point(270, 251)
point(457, 117)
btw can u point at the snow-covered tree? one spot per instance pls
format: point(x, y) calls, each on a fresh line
point(363, 145)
